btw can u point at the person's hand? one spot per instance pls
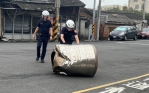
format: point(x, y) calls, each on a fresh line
point(78, 43)
point(64, 42)
point(51, 38)
point(34, 36)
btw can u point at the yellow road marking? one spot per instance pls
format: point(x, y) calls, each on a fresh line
point(110, 84)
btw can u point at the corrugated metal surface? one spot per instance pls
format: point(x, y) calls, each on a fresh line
point(117, 18)
point(36, 1)
point(34, 6)
point(63, 2)
point(75, 59)
point(70, 2)
point(129, 15)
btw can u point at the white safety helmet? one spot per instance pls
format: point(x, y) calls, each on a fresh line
point(45, 13)
point(70, 24)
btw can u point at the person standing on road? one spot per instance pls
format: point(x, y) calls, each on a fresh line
point(68, 32)
point(44, 29)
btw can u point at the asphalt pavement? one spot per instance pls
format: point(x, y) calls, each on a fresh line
point(120, 62)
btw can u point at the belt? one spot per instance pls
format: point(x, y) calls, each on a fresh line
point(43, 35)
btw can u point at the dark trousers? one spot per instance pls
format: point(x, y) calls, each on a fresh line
point(42, 41)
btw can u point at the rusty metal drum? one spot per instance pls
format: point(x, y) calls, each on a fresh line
point(75, 59)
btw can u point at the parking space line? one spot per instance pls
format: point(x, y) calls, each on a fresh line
point(128, 43)
point(144, 44)
point(143, 40)
point(110, 84)
point(132, 43)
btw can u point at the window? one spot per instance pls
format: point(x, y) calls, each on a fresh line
point(35, 22)
point(132, 28)
point(136, 6)
point(129, 28)
point(121, 28)
point(17, 25)
point(63, 19)
point(27, 24)
point(68, 17)
point(146, 30)
point(86, 25)
point(8, 24)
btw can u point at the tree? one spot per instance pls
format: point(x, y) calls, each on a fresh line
point(125, 9)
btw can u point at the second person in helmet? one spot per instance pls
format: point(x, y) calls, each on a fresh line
point(68, 32)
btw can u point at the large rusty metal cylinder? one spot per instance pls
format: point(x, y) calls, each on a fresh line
point(75, 59)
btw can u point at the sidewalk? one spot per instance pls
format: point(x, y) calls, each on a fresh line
point(94, 40)
point(23, 40)
point(31, 40)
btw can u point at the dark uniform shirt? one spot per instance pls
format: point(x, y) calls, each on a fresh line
point(44, 27)
point(68, 35)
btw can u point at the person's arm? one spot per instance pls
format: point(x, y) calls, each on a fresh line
point(62, 36)
point(36, 30)
point(77, 39)
point(50, 30)
point(51, 33)
point(75, 31)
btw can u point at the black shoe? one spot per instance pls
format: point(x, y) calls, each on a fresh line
point(42, 61)
point(37, 58)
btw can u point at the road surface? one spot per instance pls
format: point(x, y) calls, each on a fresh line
point(118, 61)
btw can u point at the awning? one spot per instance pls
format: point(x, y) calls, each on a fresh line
point(8, 8)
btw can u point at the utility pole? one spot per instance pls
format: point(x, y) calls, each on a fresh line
point(144, 9)
point(98, 23)
point(57, 5)
point(1, 35)
point(56, 20)
point(93, 25)
point(144, 12)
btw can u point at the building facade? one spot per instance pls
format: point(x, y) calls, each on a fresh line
point(19, 18)
point(107, 7)
point(85, 28)
point(138, 5)
point(110, 21)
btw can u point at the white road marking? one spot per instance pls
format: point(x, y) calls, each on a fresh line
point(146, 79)
point(144, 44)
point(120, 42)
point(129, 83)
point(143, 40)
point(113, 90)
point(137, 85)
point(132, 43)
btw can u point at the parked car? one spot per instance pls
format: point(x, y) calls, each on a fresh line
point(124, 33)
point(144, 33)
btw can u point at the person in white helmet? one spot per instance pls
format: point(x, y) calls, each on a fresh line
point(44, 29)
point(68, 32)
